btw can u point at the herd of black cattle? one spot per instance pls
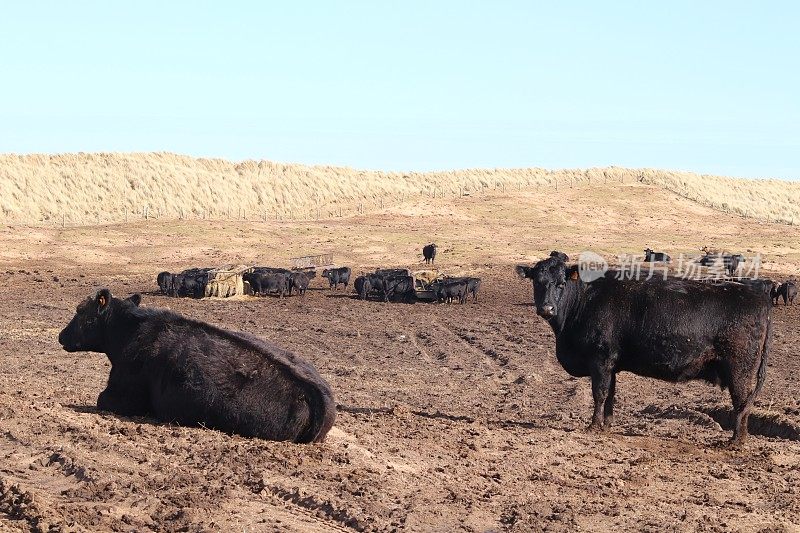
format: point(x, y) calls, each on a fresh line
point(196, 373)
point(387, 284)
point(192, 282)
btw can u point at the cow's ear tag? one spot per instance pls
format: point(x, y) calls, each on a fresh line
point(103, 299)
point(574, 275)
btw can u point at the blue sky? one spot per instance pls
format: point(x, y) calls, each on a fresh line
point(712, 87)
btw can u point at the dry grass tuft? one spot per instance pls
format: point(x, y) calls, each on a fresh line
point(107, 187)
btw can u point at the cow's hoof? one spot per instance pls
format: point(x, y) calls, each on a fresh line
point(735, 443)
point(594, 427)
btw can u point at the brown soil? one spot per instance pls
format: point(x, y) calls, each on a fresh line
point(450, 417)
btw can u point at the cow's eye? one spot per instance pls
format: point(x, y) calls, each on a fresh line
point(562, 284)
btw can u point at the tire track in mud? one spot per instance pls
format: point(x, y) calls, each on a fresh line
point(521, 365)
point(464, 339)
point(90, 478)
point(69, 475)
point(468, 355)
point(19, 505)
point(309, 508)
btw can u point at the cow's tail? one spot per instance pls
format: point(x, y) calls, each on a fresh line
point(322, 414)
point(761, 374)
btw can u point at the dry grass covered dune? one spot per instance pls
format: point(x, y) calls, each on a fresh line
point(107, 187)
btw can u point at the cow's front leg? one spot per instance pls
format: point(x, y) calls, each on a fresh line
point(124, 401)
point(602, 380)
point(608, 410)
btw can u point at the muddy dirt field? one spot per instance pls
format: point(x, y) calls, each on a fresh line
point(450, 418)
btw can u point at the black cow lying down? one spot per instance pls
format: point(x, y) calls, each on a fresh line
point(181, 370)
point(673, 329)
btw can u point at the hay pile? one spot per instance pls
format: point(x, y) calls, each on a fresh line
point(227, 281)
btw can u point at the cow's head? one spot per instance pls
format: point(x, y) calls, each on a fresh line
point(549, 280)
point(86, 331)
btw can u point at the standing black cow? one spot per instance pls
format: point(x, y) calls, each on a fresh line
point(192, 373)
point(399, 288)
point(336, 276)
point(267, 283)
point(189, 284)
point(376, 283)
point(786, 290)
point(299, 281)
point(450, 289)
point(673, 329)
point(164, 280)
point(362, 287)
point(177, 286)
point(472, 285)
point(429, 253)
point(730, 262)
point(650, 256)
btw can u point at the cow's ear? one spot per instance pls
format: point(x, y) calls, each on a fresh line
point(136, 299)
point(102, 299)
point(572, 273)
point(523, 271)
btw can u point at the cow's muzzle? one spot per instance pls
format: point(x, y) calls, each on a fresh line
point(546, 311)
point(64, 341)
